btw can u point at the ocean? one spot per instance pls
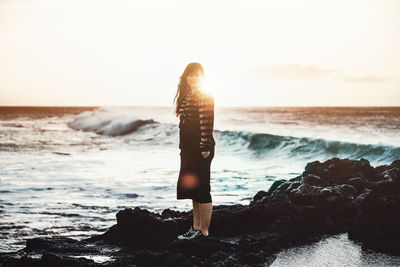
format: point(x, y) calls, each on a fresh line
point(68, 170)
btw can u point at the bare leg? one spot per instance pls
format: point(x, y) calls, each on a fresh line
point(205, 217)
point(196, 215)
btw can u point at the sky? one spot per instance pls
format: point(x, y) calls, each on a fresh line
point(254, 53)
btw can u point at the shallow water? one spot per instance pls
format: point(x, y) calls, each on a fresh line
point(334, 251)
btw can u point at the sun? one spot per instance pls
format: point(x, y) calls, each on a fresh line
point(207, 85)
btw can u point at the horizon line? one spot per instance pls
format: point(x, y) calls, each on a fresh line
point(255, 106)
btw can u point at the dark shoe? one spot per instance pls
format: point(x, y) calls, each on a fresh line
point(199, 235)
point(196, 235)
point(188, 234)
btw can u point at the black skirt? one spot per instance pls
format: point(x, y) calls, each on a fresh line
point(194, 176)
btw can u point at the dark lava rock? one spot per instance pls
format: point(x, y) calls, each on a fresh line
point(377, 222)
point(331, 197)
point(260, 195)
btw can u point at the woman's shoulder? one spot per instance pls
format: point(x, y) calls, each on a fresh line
point(207, 96)
point(202, 97)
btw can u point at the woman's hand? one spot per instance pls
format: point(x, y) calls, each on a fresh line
point(205, 154)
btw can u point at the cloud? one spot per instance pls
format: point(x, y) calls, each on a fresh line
point(287, 72)
point(364, 79)
point(298, 72)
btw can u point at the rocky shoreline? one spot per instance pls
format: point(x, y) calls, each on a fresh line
point(328, 198)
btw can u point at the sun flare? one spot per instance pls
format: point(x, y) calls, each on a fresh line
point(208, 85)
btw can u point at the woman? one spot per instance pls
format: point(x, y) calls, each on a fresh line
point(195, 109)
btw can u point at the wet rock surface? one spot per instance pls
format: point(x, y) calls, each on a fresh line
point(335, 196)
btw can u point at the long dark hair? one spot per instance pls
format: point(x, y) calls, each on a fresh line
point(183, 87)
